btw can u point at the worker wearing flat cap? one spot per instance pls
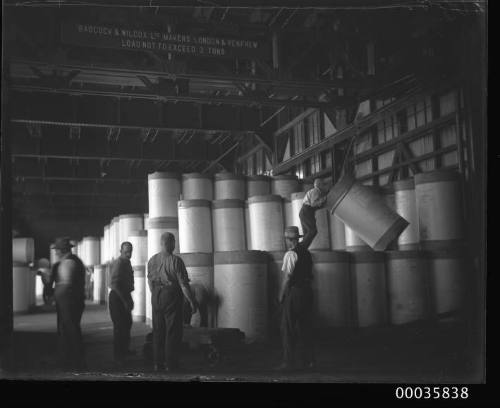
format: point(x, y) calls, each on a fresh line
point(121, 303)
point(296, 298)
point(169, 283)
point(69, 294)
point(313, 200)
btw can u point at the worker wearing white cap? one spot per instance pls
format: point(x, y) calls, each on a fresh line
point(296, 298)
point(314, 199)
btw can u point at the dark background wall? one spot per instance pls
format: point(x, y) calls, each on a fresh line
point(45, 230)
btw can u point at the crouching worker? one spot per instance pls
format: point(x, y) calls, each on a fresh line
point(314, 199)
point(169, 283)
point(201, 318)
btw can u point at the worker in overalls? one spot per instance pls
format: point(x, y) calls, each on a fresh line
point(296, 298)
point(69, 294)
point(313, 200)
point(121, 303)
point(169, 284)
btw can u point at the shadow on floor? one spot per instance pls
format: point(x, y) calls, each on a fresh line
point(413, 353)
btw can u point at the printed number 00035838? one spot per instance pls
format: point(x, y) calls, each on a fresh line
point(432, 393)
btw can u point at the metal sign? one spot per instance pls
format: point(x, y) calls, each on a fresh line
point(112, 36)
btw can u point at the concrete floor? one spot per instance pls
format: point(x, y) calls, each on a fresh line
point(412, 354)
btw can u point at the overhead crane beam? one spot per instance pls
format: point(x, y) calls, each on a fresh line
point(216, 79)
point(71, 213)
point(72, 198)
point(101, 112)
point(57, 187)
point(148, 95)
point(35, 195)
point(128, 180)
point(84, 208)
point(109, 158)
point(123, 126)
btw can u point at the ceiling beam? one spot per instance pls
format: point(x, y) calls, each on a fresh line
point(262, 141)
point(275, 16)
point(21, 178)
point(407, 137)
point(253, 150)
point(123, 126)
point(116, 207)
point(226, 79)
point(36, 194)
point(91, 111)
point(295, 121)
point(362, 125)
point(148, 95)
point(109, 158)
point(240, 6)
point(69, 187)
point(104, 215)
point(216, 161)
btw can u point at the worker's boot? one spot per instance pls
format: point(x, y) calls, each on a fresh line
point(285, 367)
point(307, 366)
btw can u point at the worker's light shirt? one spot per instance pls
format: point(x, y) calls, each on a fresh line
point(289, 261)
point(314, 198)
point(167, 269)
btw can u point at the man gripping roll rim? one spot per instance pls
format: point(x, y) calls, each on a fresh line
point(314, 199)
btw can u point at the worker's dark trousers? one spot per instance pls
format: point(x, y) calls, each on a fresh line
point(70, 306)
point(90, 291)
point(48, 292)
point(122, 323)
point(307, 218)
point(296, 326)
point(166, 302)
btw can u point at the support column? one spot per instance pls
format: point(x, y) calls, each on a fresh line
point(6, 319)
point(276, 51)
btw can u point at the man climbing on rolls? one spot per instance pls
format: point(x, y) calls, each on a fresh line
point(296, 298)
point(314, 199)
point(168, 281)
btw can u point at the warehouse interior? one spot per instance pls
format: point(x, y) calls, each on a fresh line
point(123, 120)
